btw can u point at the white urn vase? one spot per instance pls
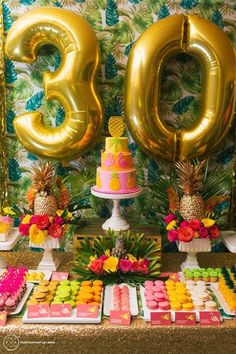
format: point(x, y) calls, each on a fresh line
point(49, 261)
point(192, 248)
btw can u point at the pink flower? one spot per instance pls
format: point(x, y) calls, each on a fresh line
point(58, 220)
point(203, 232)
point(42, 222)
point(185, 234)
point(24, 229)
point(55, 230)
point(195, 224)
point(104, 257)
point(33, 219)
point(169, 218)
point(172, 235)
point(184, 223)
point(214, 231)
point(125, 265)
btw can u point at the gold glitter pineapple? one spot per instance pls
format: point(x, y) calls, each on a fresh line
point(43, 178)
point(116, 126)
point(190, 180)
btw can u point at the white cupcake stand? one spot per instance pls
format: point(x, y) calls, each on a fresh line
point(116, 222)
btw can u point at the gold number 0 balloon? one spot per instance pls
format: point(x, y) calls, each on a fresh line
point(73, 84)
point(210, 46)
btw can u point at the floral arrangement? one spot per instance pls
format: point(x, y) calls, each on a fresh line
point(179, 229)
point(38, 227)
point(95, 259)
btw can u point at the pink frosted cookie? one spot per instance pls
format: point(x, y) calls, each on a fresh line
point(164, 305)
point(150, 298)
point(152, 305)
point(148, 292)
point(124, 290)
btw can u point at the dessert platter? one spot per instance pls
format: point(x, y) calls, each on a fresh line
point(159, 296)
point(120, 297)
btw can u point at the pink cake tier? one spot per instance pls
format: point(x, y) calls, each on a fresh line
point(121, 161)
point(121, 182)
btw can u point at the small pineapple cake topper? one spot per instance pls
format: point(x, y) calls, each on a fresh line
point(116, 126)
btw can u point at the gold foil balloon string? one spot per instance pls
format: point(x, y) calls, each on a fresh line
point(73, 84)
point(3, 150)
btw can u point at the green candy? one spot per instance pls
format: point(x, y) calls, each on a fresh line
point(65, 282)
point(57, 302)
point(70, 302)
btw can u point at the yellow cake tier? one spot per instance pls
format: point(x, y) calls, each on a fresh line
point(120, 161)
point(116, 144)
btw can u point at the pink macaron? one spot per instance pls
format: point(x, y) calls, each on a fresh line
point(148, 292)
point(159, 282)
point(150, 298)
point(152, 305)
point(164, 305)
point(160, 296)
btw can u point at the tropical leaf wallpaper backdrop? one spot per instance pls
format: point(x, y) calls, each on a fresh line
point(117, 23)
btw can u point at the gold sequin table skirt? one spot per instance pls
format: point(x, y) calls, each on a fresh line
point(140, 337)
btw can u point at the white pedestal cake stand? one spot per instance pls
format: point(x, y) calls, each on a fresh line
point(116, 222)
point(229, 239)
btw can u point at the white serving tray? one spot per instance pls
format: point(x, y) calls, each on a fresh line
point(47, 275)
point(108, 300)
point(147, 312)
point(214, 287)
point(19, 307)
point(12, 239)
point(62, 320)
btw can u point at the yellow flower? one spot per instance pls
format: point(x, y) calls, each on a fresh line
point(107, 253)
point(69, 215)
point(51, 219)
point(37, 236)
point(131, 258)
point(26, 219)
point(208, 222)
point(171, 225)
point(9, 211)
point(60, 212)
point(110, 264)
point(196, 234)
point(91, 258)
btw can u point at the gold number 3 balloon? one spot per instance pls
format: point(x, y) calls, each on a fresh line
point(73, 84)
point(210, 46)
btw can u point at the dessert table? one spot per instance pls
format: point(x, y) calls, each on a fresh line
point(140, 337)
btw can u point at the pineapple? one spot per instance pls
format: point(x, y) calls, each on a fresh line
point(63, 195)
point(43, 178)
point(114, 182)
point(119, 251)
point(116, 126)
point(190, 180)
point(131, 180)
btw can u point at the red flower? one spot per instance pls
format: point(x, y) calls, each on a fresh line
point(169, 218)
point(195, 224)
point(103, 258)
point(172, 235)
point(58, 220)
point(185, 234)
point(55, 230)
point(97, 266)
point(203, 232)
point(214, 231)
point(125, 265)
point(141, 267)
point(42, 222)
point(24, 229)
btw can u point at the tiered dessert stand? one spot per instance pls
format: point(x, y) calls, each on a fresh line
point(116, 222)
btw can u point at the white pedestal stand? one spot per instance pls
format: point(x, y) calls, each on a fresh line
point(192, 248)
point(48, 262)
point(116, 222)
point(229, 240)
point(7, 245)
